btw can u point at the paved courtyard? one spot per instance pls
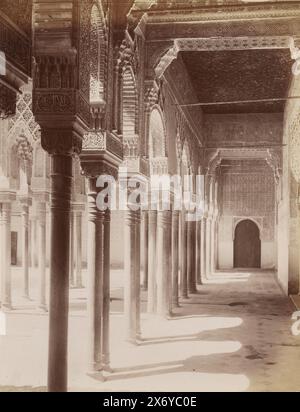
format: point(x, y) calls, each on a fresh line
point(234, 335)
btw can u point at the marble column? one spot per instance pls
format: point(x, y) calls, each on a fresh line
point(5, 253)
point(41, 211)
point(145, 237)
point(213, 241)
point(106, 294)
point(164, 276)
point(78, 248)
point(175, 258)
point(198, 252)
point(61, 186)
point(71, 264)
point(183, 269)
point(208, 247)
point(203, 249)
point(191, 260)
point(131, 283)
point(151, 303)
point(138, 273)
point(33, 243)
point(25, 246)
point(95, 257)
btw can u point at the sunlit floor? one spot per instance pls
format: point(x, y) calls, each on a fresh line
point(234, 335)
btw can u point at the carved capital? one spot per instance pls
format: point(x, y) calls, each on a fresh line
point(61, 142)
point(56, 94)
point(8, 99)
point(93, 168)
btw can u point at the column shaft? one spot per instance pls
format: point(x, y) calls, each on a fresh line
point(61, 186)
point(191, 270)
point(198, 251)
point(25, 249)
point(145, 226)
point(106, 294)
point(78, 249)
point(5, 253)
point(203, 249)
point(152, 262)
point(175, 258)
point(183, 269)
point(42, 255)
point(138, 273)
point(130, 282)
point(71, 265)
point(33, 245)
point(95, 279)
point(164, 245)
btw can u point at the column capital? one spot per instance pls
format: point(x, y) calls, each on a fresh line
point(61, 141)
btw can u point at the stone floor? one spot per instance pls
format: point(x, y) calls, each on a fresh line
point(234, 335)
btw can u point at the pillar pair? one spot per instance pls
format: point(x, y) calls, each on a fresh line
point(132, 281)
point(188, 269)
point(98, 281)
point(163, 262)
point(5, 255)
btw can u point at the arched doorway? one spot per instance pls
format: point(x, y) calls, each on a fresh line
point(247, 245)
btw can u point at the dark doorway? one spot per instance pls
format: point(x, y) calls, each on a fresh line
point(247, 245)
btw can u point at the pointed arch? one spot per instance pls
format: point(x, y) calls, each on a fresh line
point(157, 135)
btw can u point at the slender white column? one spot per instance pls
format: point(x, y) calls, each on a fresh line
point(145, 227)
point(131, 290)
point(41, 210)
point(33, 244)
point(138, 273)
point(203, 249)
point(152, 261)
point(175, 258)
point(191, 260)
point(164, 279)
point(95, 278)
point(106, 295)
point(198, 252)
point(5, 267)
point(25, 247)
point(71, 264)
point(183, 269)
point(78, 249)
point(208, 246)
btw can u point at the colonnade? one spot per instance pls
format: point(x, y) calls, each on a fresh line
point(33, 215)
point(177, 253)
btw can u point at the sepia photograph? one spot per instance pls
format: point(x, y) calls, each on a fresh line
point(149, 199)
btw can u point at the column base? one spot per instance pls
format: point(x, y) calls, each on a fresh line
point(7, 307)
point(106, 369)
point(42, 309)
point(97, 375)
